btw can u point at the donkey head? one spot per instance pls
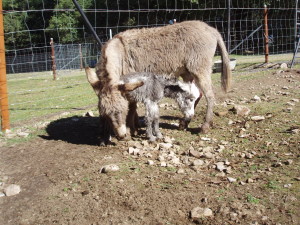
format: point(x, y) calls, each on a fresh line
point(112, 101)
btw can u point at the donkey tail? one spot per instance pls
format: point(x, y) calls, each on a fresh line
point(226, 72)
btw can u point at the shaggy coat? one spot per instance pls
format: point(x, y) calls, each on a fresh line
point(184, 49)
point(154, 89)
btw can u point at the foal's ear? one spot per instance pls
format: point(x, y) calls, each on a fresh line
point(130, 86)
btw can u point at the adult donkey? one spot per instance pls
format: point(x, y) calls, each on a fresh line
point(184, 49)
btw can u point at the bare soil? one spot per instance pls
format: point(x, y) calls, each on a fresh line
point(61, 183)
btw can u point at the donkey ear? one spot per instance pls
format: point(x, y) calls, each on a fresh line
point(92, 78)
point(130, 86)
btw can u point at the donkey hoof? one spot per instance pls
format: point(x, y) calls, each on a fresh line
point(205, 128)
point(182, 125)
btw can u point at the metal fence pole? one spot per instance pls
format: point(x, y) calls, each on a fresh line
point(3, 81)
point(53, 59)
point(80, 56)
point(266, 35)
point(228, 25)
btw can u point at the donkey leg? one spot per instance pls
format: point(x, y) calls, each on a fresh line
point(105, 131)
point(131, 118)
point(205, 84)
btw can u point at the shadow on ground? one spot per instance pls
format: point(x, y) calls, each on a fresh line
point(75, 130)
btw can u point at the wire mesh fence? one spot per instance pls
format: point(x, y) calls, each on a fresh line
point(29, 26)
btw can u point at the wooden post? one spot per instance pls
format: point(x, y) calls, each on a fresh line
point(80, 55)
point(3, 82)
point(53, 59)
point(266, 35)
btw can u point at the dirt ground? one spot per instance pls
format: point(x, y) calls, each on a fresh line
point(242, 172)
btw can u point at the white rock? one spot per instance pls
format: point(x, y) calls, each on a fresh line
point(23, 134)
point(257, 118)
point(89, 114)
point(256, 98)
point(165, 145)
point(150, 162)
point(133, 151)
point(198, 162)
point(2, 194)
point(205, 139)
point(283, 66)
point(168, 140)
point(241, 110)
point(295, 100)
point(175, 160)
point(220, 166)
point(180, 171)
point(198, 213)
point(231, 179)
point(163, 164)
point(109, 168)
point(208, 155)
point(12, 189)
point(208, 149)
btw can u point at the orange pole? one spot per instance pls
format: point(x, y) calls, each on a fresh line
point(266, 35)
point(3, 82)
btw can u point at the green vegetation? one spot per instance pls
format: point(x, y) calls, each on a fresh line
point(36, 96)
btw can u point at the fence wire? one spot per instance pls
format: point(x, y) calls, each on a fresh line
point(29, 26)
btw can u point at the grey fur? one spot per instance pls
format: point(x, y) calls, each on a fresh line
point(154, 89)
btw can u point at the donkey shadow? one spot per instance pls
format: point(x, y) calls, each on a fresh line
point(86, 130)
point(75, 130)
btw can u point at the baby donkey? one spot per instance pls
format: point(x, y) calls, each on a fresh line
point(154, 89)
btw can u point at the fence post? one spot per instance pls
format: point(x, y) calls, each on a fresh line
point(266, 35)
point(80, 55)
point(53, 59)
point(228, 25)
point(3, 82)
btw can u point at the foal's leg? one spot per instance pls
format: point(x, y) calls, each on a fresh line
point(149, 118)
point(156, 131)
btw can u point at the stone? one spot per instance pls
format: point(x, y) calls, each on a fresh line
point(221, 113)
point(23, 134)
point(256, 98)
point(133, 151)
point(198, 162)
point(150, 162)
point(241, 110)
point(198, 212)
point(208, 155)
point(89, 114)
point(165, 146)
point(163, 164)
point(194, 153)
point(12, 189)
point(257, 118)
point(220, 166)
point(175, 160)
point(180, 171)
point(231, 179)
point(168, 140)
point(109, 168)
point(283, 66)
